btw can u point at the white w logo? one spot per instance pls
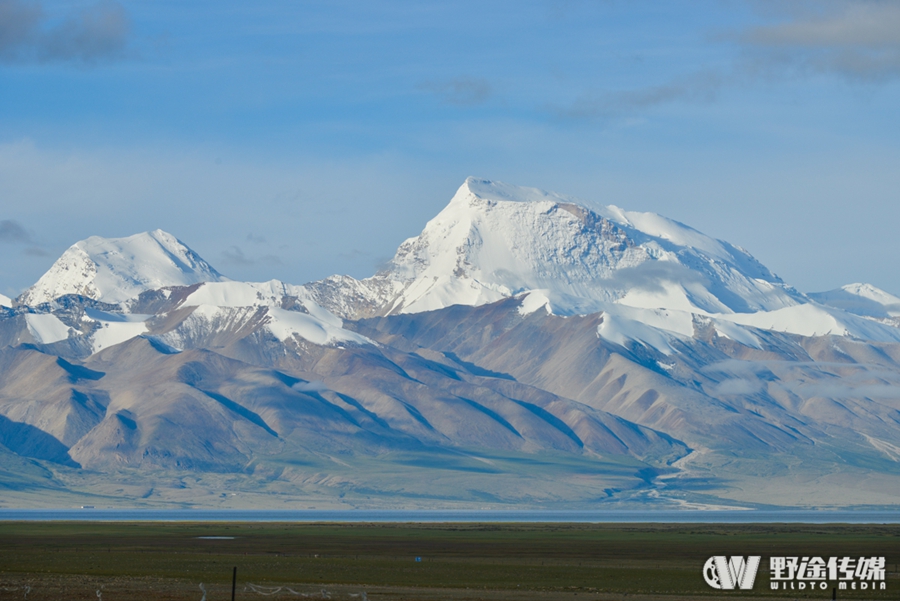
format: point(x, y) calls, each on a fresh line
point(726, 574)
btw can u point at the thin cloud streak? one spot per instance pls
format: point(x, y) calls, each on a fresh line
point(12, 231)
point(855, 40)
point(461, 91)
point(236, 256)
point(93, 34)
point(698, 87)
point(858, 41)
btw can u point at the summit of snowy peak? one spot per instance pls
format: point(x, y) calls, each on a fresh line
point(485, 189)
point(872, 293)
point(640, 225)
point(116, 269)
point(495, 240)
point(861, 299)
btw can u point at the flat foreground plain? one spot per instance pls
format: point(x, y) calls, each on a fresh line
point(68, 561)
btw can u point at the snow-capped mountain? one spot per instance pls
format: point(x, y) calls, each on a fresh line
point(651, 276)
point(533, 347)
point(861, 299)
point(113, 270)
point(495, 240)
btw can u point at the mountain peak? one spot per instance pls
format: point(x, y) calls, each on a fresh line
point(485, 189)
point(861, 299)
point(495, 240)
point(117, 269)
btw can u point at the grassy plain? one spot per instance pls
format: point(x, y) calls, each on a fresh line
point(576, 562)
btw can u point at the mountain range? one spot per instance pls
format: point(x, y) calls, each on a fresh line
point(526, 349)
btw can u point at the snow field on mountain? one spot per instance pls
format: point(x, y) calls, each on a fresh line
point(657, 328)
point(317, 325)
point(816, 320)
point(241, 294)
point(5, 301)
point(666, 229)
point(621, 330)
point(115, 327)
point(46, 328)
point(737, 333)
point(670, 295)
point(533, 301)
point(286, 324)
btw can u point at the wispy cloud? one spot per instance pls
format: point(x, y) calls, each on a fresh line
point(235, 255)
point(12, 231)
point(89, 35)
point(652, 276)
point(698, 87)
point(855, 39)
point(461, 91)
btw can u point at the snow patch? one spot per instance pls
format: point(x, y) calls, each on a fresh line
point(287, 324)
point(534, 300)
point(115, 328)
point(737, 333)
point(46, 328)
point(892, 451)
point(241, 294)
point(671, 231)
point(313, 323)
point(816, 320)
point(5, 301)
point(654, 328)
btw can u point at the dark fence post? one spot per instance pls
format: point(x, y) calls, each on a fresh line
point(233, 582)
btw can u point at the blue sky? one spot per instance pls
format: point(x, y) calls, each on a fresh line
point(294, 140)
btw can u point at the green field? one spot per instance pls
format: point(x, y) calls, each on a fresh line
point(69, 561)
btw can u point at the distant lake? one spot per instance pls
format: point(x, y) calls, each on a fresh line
point(612, 516)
